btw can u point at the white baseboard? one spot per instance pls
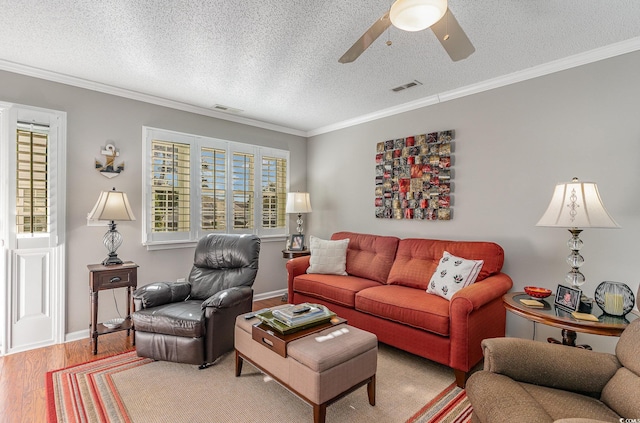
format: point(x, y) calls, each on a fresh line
point(75, 336)
point(267, 295)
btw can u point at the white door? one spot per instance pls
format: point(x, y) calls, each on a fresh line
point(32, 227)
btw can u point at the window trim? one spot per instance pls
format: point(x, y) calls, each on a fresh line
point(186, 239)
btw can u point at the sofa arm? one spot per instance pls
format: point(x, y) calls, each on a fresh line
point(160, 293)
point(295, 267)
point(476, 313)
point(228, 298)
point(556, 366)
point(480, 293)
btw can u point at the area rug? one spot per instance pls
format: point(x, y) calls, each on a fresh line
point(450, 406)
point(126, 388)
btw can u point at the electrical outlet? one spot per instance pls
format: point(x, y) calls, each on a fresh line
point(181, 280)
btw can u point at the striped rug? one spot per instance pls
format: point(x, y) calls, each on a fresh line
point(93, 392)
point(85, 393)
point(451, 406)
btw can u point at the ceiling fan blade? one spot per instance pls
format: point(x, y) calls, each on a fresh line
point(457, 43)
point(367, 39)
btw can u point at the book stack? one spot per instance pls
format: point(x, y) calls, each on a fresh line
point(301, 314)
point(293, 318)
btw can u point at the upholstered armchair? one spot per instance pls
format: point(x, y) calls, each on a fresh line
point(529, 381)
point(193, 322)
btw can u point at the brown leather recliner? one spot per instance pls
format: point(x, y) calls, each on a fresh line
point(193, 322)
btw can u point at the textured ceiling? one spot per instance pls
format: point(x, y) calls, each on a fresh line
point(277, 61)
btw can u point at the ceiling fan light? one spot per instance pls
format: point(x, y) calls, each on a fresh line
point(416, 15)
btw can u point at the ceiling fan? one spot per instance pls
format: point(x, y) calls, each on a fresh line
point(416, 15)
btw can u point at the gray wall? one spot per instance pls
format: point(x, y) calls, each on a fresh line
point(95, 119)
point(513, 144)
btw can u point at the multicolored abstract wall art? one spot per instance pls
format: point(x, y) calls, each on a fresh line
point(414, 177)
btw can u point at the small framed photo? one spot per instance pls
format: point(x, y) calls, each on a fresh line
point(296, 243)
point(568, 298)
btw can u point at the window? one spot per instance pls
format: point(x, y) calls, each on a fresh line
point(199, 185)
point(243, 187)
point(214, 190)
point(32, 194)
point(170, 186)
point(274, 192)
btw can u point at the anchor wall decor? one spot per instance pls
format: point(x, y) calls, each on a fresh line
point(109, 170)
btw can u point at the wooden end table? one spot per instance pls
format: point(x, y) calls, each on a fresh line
point(289, 254)
point(554, 316)
point(103, 277)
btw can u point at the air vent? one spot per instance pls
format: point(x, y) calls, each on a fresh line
point(405, 86)
point(226, 109)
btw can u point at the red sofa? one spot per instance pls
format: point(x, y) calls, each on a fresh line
point(385, 293)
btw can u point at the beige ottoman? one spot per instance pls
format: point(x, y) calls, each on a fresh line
point(320, 368)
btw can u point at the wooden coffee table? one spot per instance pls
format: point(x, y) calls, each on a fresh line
point(553, 316)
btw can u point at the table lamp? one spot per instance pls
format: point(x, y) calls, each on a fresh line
point(576, 205)
point(111, 206)
point(298, 202)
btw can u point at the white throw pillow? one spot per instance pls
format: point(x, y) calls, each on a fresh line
point(328, 257)
point(453, 274)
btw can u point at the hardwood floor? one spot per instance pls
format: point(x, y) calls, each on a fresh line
point(22, 375)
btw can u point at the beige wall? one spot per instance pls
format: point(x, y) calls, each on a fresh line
point(513, 144)
point(95, 119)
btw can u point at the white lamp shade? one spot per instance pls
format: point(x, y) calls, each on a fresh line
point(298, 202)
point(416, 15)
point(577, 204)
point(112, 205)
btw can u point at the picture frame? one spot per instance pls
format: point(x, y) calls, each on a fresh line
point(296, 242)
point(567, 298)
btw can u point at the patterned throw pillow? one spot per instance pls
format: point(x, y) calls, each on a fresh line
point(453, 274)
point(328, 257)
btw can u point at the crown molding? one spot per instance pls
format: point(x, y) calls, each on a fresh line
point(135, 95)
point(591, 56)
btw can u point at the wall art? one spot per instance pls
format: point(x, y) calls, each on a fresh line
point(109, 169)
point(414, 177)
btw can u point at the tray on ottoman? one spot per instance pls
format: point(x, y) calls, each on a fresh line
point(277, 342)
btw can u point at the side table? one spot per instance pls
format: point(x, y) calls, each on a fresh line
point(288, 254)
point(103, 277)
point(551, 315)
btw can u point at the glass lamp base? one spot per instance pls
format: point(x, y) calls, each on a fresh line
point(111, 260)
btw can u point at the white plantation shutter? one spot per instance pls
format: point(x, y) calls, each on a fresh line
point(274, 192)
point(243, 190)
point(214, 189)
point(198, 185)
point(170, 182)
point(32, 179)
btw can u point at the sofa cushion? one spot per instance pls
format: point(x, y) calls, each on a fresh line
point(560, 404)
point(406, 305)
point(328, 257)
point(340, 290)
point(417, 259)
point(369, 256)
point(452, 274)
